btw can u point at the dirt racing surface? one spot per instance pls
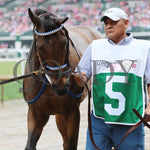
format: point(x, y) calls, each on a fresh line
point(13, 128)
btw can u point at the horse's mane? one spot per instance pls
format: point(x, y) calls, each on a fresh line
point(39, 11)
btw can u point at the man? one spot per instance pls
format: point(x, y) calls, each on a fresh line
point(119, 66)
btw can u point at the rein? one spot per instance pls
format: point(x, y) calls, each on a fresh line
point(89, 118)
point(144, 120)
point(22, 77)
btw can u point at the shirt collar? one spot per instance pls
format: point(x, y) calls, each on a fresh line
point(124, 41)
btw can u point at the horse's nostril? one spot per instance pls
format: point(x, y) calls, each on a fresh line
point(60, 91)
point(66, 85)
point(54, 86)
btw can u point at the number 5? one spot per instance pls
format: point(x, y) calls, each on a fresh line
point(115, 95)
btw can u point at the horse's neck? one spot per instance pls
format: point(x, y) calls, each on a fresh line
point(74, 56)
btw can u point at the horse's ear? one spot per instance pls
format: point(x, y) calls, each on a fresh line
point(61, 20)
point(34, 18)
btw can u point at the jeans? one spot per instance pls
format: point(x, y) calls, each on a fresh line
point(107, 135)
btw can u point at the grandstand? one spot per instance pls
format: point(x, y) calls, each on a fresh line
point(15, 23)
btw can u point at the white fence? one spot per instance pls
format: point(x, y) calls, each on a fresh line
point(14, 55)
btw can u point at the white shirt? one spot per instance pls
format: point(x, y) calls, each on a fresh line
point(85, 62)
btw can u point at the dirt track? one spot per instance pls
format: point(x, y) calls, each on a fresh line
point(13, 129)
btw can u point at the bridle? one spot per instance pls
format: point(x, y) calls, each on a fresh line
point(49, 70)
point(49, 32)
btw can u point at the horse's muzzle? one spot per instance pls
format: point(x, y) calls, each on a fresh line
point(61, 91)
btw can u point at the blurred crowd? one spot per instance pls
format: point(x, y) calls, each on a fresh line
point(80, 12)
point(90, 13)
point(16, 21)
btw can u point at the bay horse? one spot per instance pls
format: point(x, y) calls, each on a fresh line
point(55, 51)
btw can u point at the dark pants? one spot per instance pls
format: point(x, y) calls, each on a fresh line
point(107, 135)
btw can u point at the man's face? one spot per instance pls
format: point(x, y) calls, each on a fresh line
point(115, 30)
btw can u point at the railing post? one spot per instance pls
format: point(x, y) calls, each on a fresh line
point(2, 95)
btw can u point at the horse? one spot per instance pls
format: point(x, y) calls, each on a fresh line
point(55, 51)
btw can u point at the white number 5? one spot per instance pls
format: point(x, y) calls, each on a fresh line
point(115, 95)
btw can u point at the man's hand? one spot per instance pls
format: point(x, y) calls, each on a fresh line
point(147, 112)
point(80, 78)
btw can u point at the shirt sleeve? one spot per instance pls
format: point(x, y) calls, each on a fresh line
point(147, 69)
point(85, 62)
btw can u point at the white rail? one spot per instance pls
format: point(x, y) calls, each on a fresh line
point(14, 55)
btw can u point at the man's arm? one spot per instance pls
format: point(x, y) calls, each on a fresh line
point(147, 81)
point(84, 68)
point(80, 78)
point(147, 111)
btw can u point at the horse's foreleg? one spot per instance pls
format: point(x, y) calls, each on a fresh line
point(61, 125)
point(36, 123)
point(73, 128)
point(68, 126)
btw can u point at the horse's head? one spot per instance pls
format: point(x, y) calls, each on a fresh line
point(51, 41)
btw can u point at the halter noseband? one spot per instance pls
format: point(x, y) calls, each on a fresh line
point(56, 68)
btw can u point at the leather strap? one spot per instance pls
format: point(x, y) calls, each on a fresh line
point(16, 78)
point(144, 120)
point(22, 77)
point(89, 118)
point(128, 132)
